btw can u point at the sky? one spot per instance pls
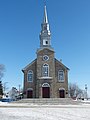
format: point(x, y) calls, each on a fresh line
point(20, 26)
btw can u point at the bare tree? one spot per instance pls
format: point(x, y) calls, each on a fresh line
point(74, 90)
point(1, 89)
point(2, 70)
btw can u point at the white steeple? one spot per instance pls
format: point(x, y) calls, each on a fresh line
point(45, 15)
point(45, 34)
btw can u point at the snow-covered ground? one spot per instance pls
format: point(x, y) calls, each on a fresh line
point(44, 112)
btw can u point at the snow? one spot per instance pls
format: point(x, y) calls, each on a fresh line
point(14, 111)
point(86, 101)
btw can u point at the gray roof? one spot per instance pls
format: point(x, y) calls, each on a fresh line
point(62, 64)
point(29, 65)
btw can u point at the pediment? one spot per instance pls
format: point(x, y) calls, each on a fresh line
point(29, 65)
point(61, 64)
point(45, 50)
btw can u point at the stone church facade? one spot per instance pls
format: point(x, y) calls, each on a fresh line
point(45, 77)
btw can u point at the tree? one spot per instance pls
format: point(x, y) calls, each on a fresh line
point(1, 89)
point(2, 69)
point(74, 90)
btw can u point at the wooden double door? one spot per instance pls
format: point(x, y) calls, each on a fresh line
point(45, 92)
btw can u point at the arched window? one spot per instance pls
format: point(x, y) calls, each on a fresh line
point(45, 70)
point(30, 76)
point(61, 75)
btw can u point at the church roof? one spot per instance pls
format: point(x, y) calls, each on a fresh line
point(25, 68)
point(61, 64)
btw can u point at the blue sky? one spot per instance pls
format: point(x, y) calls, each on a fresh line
point(20, 25)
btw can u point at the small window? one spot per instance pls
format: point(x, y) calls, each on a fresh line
point(45, 70)
point(61, 75)
point(45, 42)
point(45, 27)
point(30, 76)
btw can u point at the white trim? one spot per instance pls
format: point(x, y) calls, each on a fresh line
point(45, 77)
point(61, 88)
point(29, 89)
point(45, 85)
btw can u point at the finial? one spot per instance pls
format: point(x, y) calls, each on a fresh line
point(44, 2)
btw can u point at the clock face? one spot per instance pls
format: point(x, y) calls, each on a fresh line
point(45, 57)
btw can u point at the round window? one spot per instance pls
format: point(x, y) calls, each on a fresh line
point(45, 57)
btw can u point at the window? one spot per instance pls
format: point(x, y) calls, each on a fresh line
point(45, 57)
point(30, 76)
point(61, 75)
point(45, 42)
point(45, 70)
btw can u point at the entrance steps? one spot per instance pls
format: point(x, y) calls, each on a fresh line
point(49, 101)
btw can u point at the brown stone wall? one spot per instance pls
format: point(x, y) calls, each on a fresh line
point(38, 81)
point(58, 84)
point(51, 64)
point(40, 62)
point(27, 84)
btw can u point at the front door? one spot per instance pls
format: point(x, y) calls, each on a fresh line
point(62, 93)
point(45, 92)
point(29, 94)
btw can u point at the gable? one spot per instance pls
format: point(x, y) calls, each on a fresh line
point(31, 65)
point(60, 65)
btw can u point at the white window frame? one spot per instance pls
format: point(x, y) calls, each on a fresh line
point(45, 70)
point(44, 42)
point(45, 58)
point(30, 73)
point(61, 77)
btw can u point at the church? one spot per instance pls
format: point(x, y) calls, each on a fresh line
point(45, 77)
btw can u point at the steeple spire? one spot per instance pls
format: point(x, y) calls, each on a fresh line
point(45, 15)
point(45, 34)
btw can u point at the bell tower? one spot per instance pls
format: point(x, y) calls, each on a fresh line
point(45, 34)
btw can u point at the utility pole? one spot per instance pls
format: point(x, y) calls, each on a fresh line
point(5, 87)
point(19, 89)
point(86, 90)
